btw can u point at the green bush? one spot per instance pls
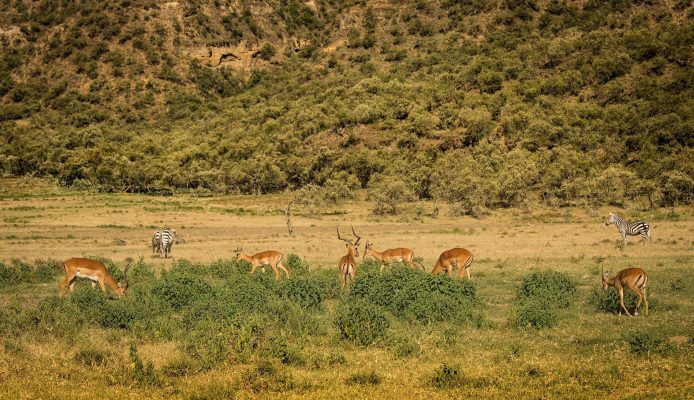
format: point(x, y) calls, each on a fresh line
point(361, 322)
point(304, 292)
point(556, 289)
point(646, 343)
point(536, 314)
point(180, 290)
point(446, 377)
point(414, 295)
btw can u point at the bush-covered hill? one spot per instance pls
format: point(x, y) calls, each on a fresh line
point(479, 103)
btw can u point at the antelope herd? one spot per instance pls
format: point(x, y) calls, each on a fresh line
point(456, 258)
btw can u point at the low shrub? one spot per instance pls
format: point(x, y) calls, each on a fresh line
point(142, 374)
point(415, 295)
point(361, 322)
point(296, 265)
point(556, 289)
point(536, 314)
point(304, 292)
point(446, 377)
point(364, 378)
point(403, 347)
point(179, 290)
point(646, 343)
point(91, 357)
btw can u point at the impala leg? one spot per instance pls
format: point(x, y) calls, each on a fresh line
point(467, 271)
point(277, 272)
point(645, 299)
point(72, 284)
point(352, 273)
point(280, 264)
point(64, 283)
point(343, 278)
point(103, 287)
point(621, 301)
point(93, 284)
point(253, 267)
point(638, 293)
point(383, 265)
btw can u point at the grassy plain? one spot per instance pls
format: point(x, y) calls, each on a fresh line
point(587, 355)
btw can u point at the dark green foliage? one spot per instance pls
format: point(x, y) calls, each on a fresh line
point(361, 322)
point(413, 294)
point(179, 290)
point(539, 297)
point(536, 314)
point(446, 377)
point(556, 289)
point(364, 378)
point(303, 291)
point(645, 343)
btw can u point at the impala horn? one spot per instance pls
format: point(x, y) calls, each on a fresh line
point(125, 274)
point(357, 236)
point(339, 237)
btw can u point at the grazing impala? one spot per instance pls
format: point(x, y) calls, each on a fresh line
point(94, 271)
point(400, 254)
point(633, 278)
point(271, 258)
point(347, 264)
point(456, 257)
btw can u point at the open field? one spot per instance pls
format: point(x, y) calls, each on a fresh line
point(588, 354)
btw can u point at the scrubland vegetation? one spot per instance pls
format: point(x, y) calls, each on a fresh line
point(482, 104)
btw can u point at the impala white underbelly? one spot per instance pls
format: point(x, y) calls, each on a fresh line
point(80, 274)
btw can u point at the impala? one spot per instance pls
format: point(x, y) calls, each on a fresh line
point(271, 258)
point(347, 264)
point(94, 271)
point(633, 278)
point(457, 258)
point(400, 254)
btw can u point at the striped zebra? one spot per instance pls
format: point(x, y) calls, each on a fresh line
point(631, 229)
point(167, 237)
point(156, 246)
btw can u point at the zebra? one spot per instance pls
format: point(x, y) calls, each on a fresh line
point(156, 246)
point(167, 237)
point(631, 229)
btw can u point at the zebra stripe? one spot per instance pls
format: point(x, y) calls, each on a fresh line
point(167, 237)
point(631, 229)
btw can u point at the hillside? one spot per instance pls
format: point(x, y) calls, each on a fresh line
point(479, 103)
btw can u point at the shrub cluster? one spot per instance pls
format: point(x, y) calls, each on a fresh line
point(418, 296)
point(361, 322)
point(539, 297)
point(20, 272)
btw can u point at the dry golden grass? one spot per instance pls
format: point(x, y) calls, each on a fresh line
point(584, 357)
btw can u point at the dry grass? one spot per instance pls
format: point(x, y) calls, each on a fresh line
point(584, 357)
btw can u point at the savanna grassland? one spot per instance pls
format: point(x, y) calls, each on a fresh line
point(203, 328)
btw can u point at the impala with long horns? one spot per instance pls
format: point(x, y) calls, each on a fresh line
point(271, 258)
point(454, 258)
point(94, 271)
point(347, 264)
point(389, 256)
point(633, 278)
